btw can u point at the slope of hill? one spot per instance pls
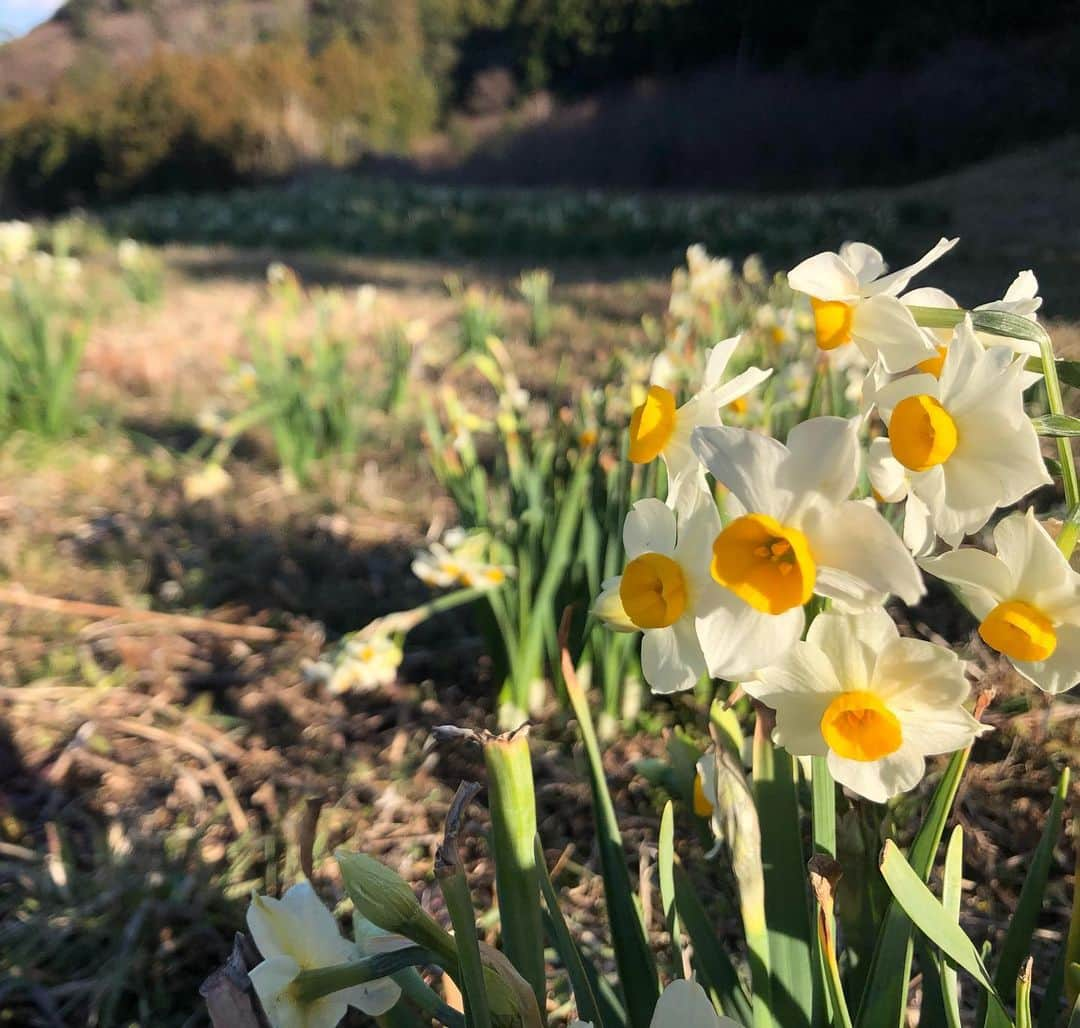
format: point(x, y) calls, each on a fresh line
point(89, 37)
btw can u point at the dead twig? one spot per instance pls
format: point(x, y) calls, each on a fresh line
point(200, 752)
point(100, 611)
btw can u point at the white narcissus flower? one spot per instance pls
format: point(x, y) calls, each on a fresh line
point(1027, 600)
point(297, 933)
point(800, 535)
point(874, 704)
point(365, 663)
point(664, 588)
point(959, 446)
point(440, 567)
point(659, 429)
point(683, 1004)
point(1022, 299)
point(855, 301)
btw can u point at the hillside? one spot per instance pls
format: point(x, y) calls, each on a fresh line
point(91, 37)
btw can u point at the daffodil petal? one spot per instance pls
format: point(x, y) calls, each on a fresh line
point(1061, 671)
point(649, 528)
point(738, 640)
point(886, 326)
point(855, 540)
point(671, 658)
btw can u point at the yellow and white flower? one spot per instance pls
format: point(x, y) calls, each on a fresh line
point(874, 704)
point(853, 300)
point(1021, 299)
point(959, 446)
point(800, 535)
point(458, 560)
point(665, 591)
point(1027, 600)
point(361, 664)
point(659, 429)
point(297, 933)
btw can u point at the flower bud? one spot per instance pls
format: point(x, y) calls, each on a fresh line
point(378, 893)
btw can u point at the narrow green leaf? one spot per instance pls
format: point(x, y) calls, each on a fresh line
point(1017, 943)
point(884, 997)
point(1059, 426)
point(712, 964)
point(1068, 371)
point(637, 968)
point(787, 909)
point(1074, 1017)
point(823, 832)
point(665, 858)
point(587, 1006)
point(920, 904)
point(1008, 326)
point(1051, 1006)
point(951, 892)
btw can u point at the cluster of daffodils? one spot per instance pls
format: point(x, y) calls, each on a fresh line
point(459, 559)
point(360, 663)
point(757, 535)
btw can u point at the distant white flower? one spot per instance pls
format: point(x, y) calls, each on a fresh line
point(363, 664)
point(801, 534)
point(855, 301)
point(16, 241)
point(206, 483)
point(874, 704)
point(297, 933)
point(959, 447)
point(683, 1004)
point(659, 429)
point(128, 253)
point(1027, 600)
point(459, 559)
point(665, 589)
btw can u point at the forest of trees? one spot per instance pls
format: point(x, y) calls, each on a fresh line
point(353, 77)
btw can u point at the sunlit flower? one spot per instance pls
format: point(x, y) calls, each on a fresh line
point(437, 567)
point(701, 284)
point(297, 933)
point(682, 1004)
point(664, 588)
point(458, 559)
point(128, 253)
point(1021, 299)
point(874, 704)
point(1027, 600)
point(855, 301)
point(362, 663)
point(206, 483)
point(16, 241)
point(659, 429)
point(959, 446)
point(800, 535)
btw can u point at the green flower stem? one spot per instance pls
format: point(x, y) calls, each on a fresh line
point(416, 989)
point(512, 800)
point(455, 890)
point(1012, 326)
point(322, 981)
